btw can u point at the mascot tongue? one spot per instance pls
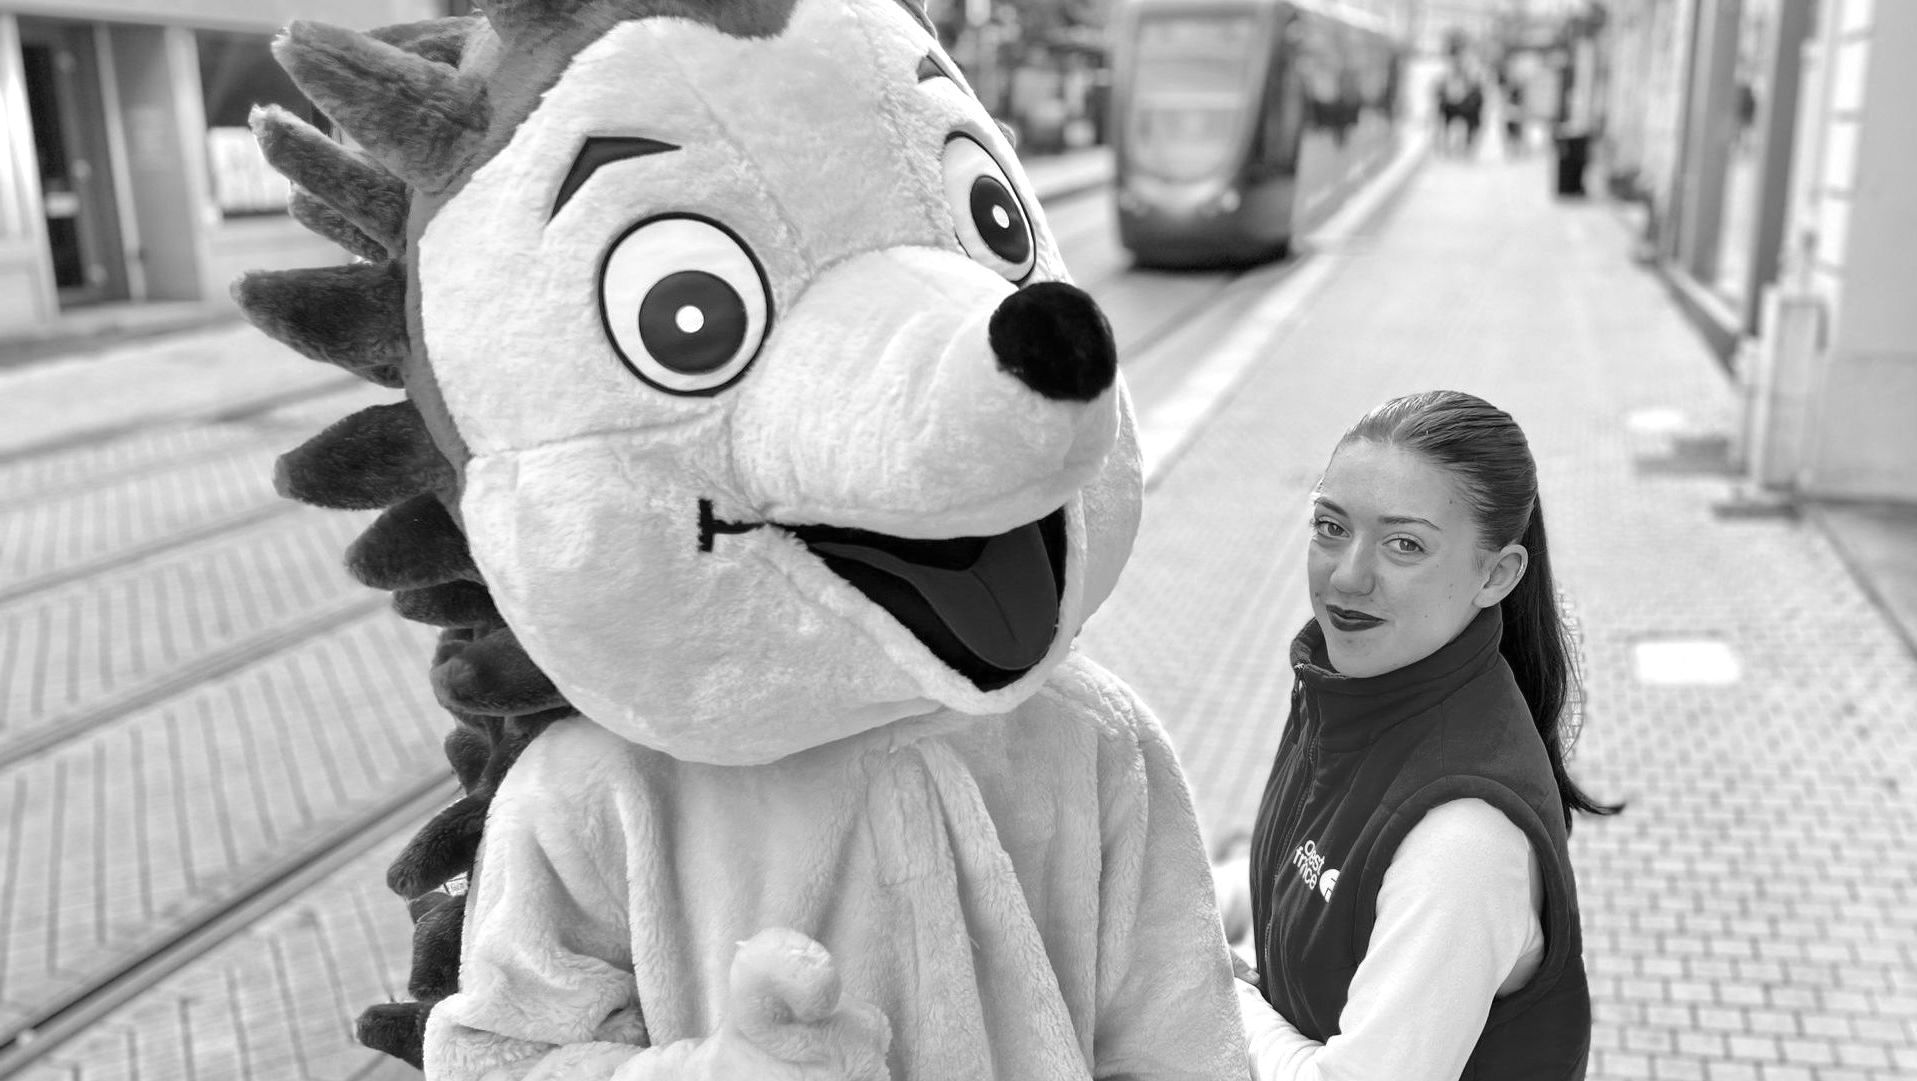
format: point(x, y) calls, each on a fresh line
point(987, 606)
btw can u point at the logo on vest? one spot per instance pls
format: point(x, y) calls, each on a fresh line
point(1311, 867)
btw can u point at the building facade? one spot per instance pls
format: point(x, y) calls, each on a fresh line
point(127, 171)
point(1771, 141)
point(1853, 265)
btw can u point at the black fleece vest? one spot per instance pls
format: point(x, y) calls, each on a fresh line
point(1360, 762)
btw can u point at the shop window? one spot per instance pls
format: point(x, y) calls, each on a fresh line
point(1748, 99)
point(237, 72)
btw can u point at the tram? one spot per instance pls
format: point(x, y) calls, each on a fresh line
point(1237, 123)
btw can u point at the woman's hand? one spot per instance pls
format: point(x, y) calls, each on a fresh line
point(1242, 969)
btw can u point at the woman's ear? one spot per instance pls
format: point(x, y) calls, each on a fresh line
point(1506, 571)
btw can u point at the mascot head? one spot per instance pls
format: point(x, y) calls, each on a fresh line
point(769, 412)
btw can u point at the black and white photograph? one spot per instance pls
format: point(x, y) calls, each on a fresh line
point(958, 540)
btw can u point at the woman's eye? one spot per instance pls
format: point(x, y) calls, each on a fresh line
point(1405, 546)
point(685, 304)
point(1325, 527)
point(991, 223)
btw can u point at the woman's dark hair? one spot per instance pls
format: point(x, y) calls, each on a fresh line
point(1486, 451)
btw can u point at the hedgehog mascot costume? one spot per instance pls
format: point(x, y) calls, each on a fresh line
point(760, 465)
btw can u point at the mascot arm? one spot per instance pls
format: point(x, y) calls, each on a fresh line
point(547, 991)
point(546, 964)
point(1166, 1008)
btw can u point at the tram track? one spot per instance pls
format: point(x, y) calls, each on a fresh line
point(242, 434)
point(91, 439)
point(400, 778)
point(1142, 345)
point(310, 656)
point(53, 485)
point(72, 1012)
point(218, 488)
point(151, 646)
point(49, 734)
point(141, 552)
point(1157, 317)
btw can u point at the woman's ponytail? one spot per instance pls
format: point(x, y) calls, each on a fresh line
point(1538, 646)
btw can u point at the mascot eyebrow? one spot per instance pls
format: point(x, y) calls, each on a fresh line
point(600, 151)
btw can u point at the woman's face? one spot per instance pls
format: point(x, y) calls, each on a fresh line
point(1396, 566)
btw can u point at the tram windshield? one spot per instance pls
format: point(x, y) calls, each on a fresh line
point(1191, 85)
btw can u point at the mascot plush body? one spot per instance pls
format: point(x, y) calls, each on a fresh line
point(763, 466)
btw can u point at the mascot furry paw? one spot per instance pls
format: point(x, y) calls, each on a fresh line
point(761, 465)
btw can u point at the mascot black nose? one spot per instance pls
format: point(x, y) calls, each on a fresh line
point(1055, 340)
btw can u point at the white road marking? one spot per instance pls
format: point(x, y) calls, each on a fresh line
point(1682, 662)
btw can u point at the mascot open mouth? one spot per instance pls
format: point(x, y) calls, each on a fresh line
point(986, 606)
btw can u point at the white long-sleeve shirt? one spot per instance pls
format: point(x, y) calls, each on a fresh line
point(1457, 927)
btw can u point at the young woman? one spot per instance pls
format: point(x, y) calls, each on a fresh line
point(1415, 915)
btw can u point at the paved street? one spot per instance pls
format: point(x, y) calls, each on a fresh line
point(1753, 914)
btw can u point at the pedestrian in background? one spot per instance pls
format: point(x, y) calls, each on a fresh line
point(1414, 910)
point(1460, 93)
point(1512, 87)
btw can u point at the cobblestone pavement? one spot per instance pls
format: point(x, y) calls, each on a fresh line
point(1750, 915)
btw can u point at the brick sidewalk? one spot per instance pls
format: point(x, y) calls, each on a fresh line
point(1753, 914)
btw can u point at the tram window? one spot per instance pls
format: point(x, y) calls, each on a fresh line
point(1282, 116)
point(237, 72)
point(1189, 93)
point(1194, 52)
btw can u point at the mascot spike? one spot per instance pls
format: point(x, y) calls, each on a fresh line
point(441, 850)
point(514, 19)
point(369, 460)
point(444, 848)
point(443, 41)
point(467, 749)
point(418, 908)
point(396, 1028)
point(419, 119)
point(413, 544)
point(455, 604)
point(362, 193)
point(353, 316)
point(494, 675)
point(310, 211)
point(436, 971)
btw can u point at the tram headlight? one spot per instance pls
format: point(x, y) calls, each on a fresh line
point(1223, 200)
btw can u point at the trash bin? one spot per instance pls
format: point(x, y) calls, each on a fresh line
point(1574, 156)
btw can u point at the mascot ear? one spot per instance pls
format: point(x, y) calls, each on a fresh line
point(916, 8)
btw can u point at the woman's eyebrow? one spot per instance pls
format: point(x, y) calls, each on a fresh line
point(1389, 519)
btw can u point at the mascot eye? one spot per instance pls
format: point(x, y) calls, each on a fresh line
point(685, 304)
point(990, 222)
